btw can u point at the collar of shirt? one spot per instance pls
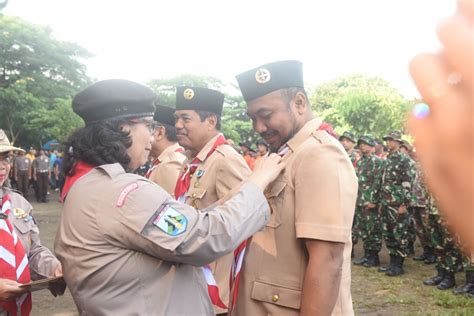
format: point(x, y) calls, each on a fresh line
point(303, 134)
point(202, 155)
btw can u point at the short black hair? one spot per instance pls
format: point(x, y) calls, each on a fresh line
point(170, 132)
point(205, 114)
point(98, 143)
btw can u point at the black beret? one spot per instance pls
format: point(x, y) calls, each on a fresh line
point(199, 99)
point(348, 135)
point(270, 77)
point(164, 115)
point(114, 98)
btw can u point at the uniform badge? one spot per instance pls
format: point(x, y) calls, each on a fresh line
point(123, 195)
point(188, 94)
point(199, 173)
point(19, 213)
point(171, 221)
point(262, 75)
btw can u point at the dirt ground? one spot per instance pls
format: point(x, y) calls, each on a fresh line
point(373, 293)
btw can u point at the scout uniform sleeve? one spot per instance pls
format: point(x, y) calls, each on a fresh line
point(154, 223)
point(325, 194)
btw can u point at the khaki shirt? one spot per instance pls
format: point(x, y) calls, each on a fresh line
point(41, 164)
point(42, 262)
point(118, 261)
point(216, 176)
point(22, 163)
point(314, 198)
point(166, 173)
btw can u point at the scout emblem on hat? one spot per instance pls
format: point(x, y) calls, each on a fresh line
point(262, 75)
point(171, 221)
point(188, 94)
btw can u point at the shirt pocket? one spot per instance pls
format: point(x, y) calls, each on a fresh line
point(194, 195)
point(24, 230)
point(275, 197)
point(276, 294)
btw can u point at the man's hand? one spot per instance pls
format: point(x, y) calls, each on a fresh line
point(370, 205)
point(58, 287)
point(10, 289)
point(402, 209)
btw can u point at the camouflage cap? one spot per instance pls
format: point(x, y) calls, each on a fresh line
point(406, 144)
point(393, 135)
point(348, 135)
point(367, 139)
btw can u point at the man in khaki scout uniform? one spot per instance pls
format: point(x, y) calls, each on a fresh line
point(300, 264)
point(167, 153)
point(127, 246)
point(218, 168)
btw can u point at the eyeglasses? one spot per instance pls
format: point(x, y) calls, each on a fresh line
point(150, 124)
point(6, 160)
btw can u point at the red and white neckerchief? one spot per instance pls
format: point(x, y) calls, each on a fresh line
point(81, 168)
point(239, 252)
point(14, 263)
point(182, 186)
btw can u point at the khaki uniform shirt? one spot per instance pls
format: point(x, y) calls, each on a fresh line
point(313, 199)
point(166, 173)
point(42, 261)
point(22, 163)
point(216, 176)
point(41, 164)
point(119, 259)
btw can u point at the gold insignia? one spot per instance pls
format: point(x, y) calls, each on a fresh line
point(263, 75)
point(188, 94)
point(19, 213)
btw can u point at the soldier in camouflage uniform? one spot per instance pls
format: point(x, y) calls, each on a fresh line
point(367, 214)
point(445, 249)
point(347, 139)
point(395, 196)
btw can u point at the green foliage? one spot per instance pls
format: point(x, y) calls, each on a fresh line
point(35, 71)
point(362, 104)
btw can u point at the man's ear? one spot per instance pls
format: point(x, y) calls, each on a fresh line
point(160, 132)
point(301, 103)
point(212, 121)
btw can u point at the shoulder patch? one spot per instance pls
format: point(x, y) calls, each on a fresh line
point(171, 221)
point(123, 195)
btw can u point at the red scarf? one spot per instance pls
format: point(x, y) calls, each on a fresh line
point(184, 180)
point(80, 169)
point(182, 186)
point(14, 263)
point(239, 252)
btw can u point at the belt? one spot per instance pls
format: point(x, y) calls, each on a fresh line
point(42, 171)
point(26, 170)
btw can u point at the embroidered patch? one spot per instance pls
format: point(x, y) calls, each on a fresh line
point(171, 221)
point(19, 213)
point(123, 195)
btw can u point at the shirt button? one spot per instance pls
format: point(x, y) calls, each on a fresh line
point(275, 298)
point(193, 195)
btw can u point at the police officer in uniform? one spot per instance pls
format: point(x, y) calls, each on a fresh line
point(168, 156)
point(23, 173)
point(128, 247)
point(300, 264)
point(214, 167)
point(41, 174)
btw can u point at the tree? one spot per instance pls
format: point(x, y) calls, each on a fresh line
point(35, 71)
point(362, 104)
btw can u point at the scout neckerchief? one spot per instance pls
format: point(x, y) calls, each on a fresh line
point(14, 263)
point(157, 161)
point(239, 252)
point(80, 169)
point(182, 186)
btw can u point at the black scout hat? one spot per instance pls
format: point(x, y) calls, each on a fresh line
point(199, 99)
point(164, 115)
point(114, 98)
point(270, 77)
point(367, 139)
point(394, 135)
point(349, 136)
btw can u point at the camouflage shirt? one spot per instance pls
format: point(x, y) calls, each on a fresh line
point(369, 173)
point(353, 158)
point(420, 195)
point(397, 180)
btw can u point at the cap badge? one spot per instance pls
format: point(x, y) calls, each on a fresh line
point(188, 94)
point(262, 75)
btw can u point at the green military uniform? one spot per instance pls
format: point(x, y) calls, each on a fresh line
point(445, 249)
point(396, 190)
point(368, 224)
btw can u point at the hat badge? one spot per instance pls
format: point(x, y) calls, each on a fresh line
point(262, 75)
point(188, 94)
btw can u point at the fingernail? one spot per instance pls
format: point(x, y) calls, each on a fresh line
point(421, 110)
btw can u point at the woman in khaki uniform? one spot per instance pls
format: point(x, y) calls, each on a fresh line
point(127, 247)
point(22, 258)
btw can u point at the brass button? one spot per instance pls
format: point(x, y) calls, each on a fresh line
point(275, 298)
point(193, 195)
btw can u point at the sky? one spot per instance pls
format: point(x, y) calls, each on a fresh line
point(144, 39)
